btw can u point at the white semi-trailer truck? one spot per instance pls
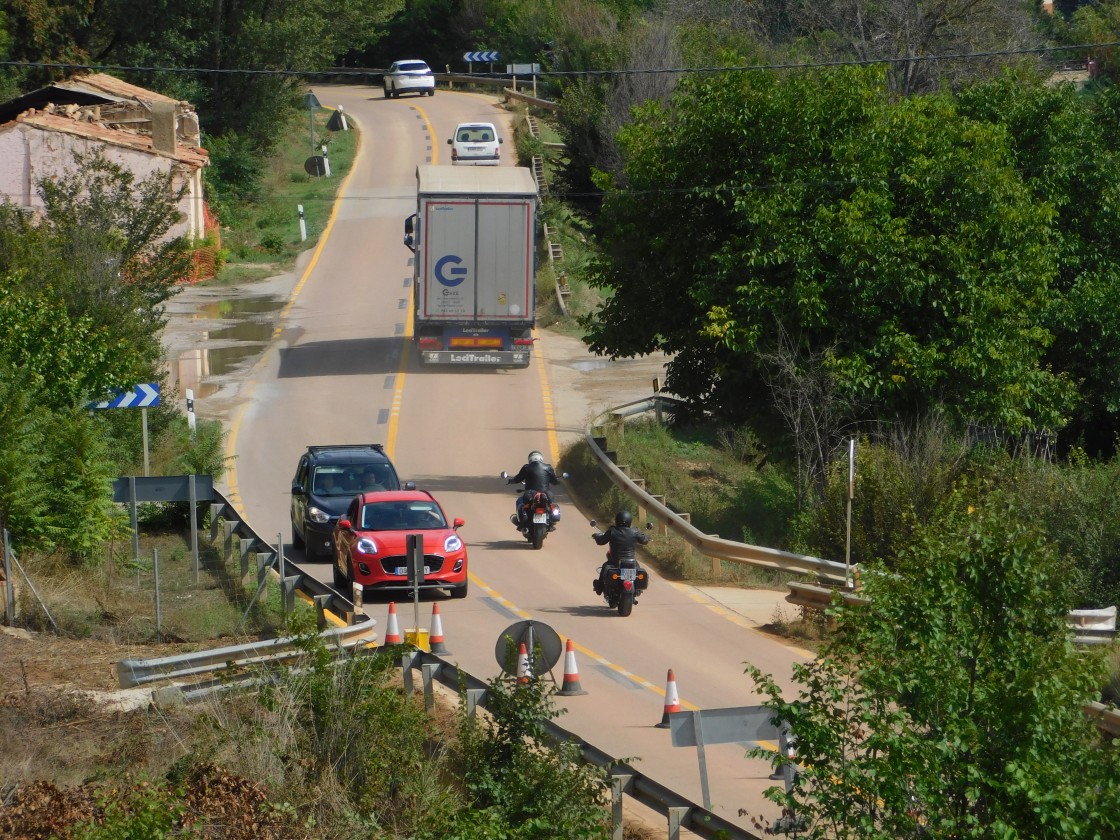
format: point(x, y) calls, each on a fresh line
point(474, 240)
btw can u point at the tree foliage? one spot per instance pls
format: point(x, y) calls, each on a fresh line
point(1066, 151)
point(81, 308)
point(952, 704)
point(895, 238)
point(247, 35)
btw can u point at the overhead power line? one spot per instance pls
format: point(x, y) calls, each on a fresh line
point(359, 72)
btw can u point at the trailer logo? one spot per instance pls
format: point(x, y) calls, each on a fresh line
point(442, 272)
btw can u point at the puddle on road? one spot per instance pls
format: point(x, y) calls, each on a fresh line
point(226, 310)
point(195, 369)
point(592, 364)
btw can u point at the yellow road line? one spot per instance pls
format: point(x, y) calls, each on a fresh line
point(601, 660)
point(402, 369)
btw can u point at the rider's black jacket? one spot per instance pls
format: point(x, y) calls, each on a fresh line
point(623, 541)
point(537, 475)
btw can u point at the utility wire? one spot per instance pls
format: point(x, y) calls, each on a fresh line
point(360, 72)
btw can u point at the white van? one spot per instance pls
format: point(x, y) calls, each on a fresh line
point(476, 144)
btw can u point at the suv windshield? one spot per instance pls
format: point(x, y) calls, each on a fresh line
point(349, 479)
point(413, 67)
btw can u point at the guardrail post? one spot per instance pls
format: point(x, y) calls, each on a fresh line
point(406, 672)
point(356, 599)
point(676, 819)
point(428, 672)
point(288, 594)
point(475, 696)
point(321, 602)
point(215, 517)
point(619, 782)
point(227, 540)
point(263, 565)
point(244, 546)
point(662, 528)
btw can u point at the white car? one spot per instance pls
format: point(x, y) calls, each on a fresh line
point(411, 76)
point(476, 143)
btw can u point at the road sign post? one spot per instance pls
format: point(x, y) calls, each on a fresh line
point(139, 396)
point(414, 557)
point(487, 56)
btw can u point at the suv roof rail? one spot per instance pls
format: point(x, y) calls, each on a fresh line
point(378, 446)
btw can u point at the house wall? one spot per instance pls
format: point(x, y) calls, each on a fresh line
point(29, 154)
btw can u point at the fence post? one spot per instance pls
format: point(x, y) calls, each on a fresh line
point(159, 617)
point(9, 584)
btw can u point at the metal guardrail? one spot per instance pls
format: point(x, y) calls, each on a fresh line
point(132, 673)
point(678, 811)
point(711, 546)
point(1107, 718)
point(293, 575)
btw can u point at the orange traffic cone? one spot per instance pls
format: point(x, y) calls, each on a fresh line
point(435, 638)
point(571, 675)
point(392, 629)
point(672, 700)
point(523, 672)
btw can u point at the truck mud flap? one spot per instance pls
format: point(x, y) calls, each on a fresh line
point(493, 358)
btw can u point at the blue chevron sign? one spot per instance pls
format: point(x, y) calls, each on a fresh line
point(490, 55)
point(141, 396)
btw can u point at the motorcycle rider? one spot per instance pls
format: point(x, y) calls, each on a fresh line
point(538, 477)
point(623, 541)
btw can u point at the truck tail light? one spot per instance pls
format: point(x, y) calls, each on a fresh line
point(431, 344)
point(522, 342)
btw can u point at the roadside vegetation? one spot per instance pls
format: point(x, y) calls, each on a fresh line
point(332, 747)
point(918, 255)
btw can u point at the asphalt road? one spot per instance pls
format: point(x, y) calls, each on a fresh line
point(341, 369)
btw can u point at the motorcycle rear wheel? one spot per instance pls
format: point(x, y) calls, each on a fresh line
point(537, 534)
point(625, 603)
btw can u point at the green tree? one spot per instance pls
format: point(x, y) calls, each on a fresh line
point(1065, 148)
point(516, 788)
point(952, 704)
point(894, 241)
point(103, 250)
point(206, 35)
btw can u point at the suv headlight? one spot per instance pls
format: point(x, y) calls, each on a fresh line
point(320, 516)
point(452, 543)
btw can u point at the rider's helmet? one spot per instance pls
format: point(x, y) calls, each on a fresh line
point(535, 457)
point(623, 519)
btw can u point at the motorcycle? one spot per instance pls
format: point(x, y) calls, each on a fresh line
point(537, 515)
point(624, 581)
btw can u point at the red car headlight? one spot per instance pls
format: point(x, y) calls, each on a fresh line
point(366, 546)
point(452, 543)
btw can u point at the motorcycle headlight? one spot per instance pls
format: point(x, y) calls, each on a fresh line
point(320, 516)
point(366, 546)
point(452, 543)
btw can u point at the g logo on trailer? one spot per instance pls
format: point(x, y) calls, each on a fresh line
point(442, 271)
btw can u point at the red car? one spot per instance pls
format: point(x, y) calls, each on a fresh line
point(371, 538)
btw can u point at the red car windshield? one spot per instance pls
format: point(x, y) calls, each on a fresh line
point(402, 516)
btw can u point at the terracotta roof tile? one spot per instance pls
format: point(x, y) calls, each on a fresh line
point(115, 136)
point(112, 85)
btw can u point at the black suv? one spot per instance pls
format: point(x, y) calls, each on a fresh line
point(327, 478)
